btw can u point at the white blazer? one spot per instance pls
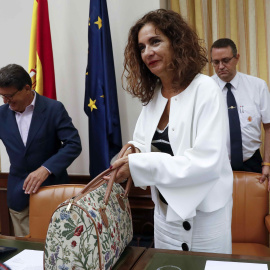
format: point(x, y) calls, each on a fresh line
point(199, 175)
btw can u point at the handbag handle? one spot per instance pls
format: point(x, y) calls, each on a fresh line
point(113, 176)
point(99, 179)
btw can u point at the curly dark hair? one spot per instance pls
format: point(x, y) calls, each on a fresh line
point(188, 60)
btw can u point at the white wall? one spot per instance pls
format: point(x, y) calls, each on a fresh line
point(69, 22)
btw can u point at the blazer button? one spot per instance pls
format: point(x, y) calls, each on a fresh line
point(186, 225)
point(185, 247)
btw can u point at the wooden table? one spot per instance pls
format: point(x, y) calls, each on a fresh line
point(128, 258)
point(154, 258)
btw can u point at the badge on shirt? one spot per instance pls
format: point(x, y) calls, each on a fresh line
point(249, 119)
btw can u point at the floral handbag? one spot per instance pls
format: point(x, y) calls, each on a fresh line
point(90, 230)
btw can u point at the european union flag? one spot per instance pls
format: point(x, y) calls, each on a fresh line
point(100, 102)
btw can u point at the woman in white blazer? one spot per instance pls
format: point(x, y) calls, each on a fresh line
point(180, 136)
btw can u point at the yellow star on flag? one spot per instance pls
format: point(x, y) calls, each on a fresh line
point(99, 22)
point(92, 104)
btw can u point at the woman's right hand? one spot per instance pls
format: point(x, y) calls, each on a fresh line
point(123, 172)
point(129, 151)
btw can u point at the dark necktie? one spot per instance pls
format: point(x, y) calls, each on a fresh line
point(235, 131)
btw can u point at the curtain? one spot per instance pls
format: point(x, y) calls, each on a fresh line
point(246, 22)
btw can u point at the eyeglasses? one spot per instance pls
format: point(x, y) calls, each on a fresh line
point(224, 61)
point(9, 97)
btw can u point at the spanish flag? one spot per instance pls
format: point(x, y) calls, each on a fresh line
point(41, 67)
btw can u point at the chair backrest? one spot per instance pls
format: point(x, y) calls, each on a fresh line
point(250, 206)
point(43, 203)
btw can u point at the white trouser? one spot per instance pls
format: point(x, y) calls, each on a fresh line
point(209, 232)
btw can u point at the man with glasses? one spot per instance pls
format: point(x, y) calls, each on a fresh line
point(40, 140)
point(248, 103)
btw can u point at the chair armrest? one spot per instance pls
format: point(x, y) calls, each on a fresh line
point(267, 222)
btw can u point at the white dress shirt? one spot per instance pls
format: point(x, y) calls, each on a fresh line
point(253, 104)
point(24, 120)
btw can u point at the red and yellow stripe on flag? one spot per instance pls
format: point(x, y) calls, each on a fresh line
point(41, 68)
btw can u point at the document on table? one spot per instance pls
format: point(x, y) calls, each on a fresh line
point(26, 260)
point(214, 265)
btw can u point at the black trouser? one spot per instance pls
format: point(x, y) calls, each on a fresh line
point(254, 164)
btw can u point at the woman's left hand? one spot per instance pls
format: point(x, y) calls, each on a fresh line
point(123, 171)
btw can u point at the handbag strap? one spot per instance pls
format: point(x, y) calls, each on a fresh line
point(98, 180)
point(95, 182)
point(113, 176)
